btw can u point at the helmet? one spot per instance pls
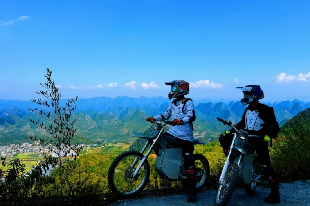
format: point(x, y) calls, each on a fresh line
point(178, 88)
point(251, 93)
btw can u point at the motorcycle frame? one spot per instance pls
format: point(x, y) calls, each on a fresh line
point(147, 154)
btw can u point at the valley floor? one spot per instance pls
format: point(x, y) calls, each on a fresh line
point(296, 193)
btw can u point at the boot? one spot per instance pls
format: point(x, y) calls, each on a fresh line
point(191, 182)
point(274, 196)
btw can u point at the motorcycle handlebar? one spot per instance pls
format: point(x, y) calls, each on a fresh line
point(224, 121)
point(255, 136)
point(158, 122)
point(236, 130)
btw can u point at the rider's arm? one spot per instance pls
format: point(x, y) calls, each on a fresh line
point(166, 115)
point(189, 109)
point(271, 122)
point(241, 124)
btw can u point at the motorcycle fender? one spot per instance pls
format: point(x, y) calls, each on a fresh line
point(248, 168)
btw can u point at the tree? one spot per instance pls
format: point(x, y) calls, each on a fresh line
point(56, 121)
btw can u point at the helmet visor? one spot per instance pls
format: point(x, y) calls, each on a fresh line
point(174, 88)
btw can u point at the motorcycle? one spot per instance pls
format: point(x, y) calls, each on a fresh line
point(241, 166)
point(130, 171)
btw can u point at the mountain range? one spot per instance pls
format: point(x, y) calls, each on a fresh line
point(105, 119)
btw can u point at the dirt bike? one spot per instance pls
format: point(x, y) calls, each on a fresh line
point(241, 166)
point(129, 172)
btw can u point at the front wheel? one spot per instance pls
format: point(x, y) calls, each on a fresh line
point(120, 175)
point(227, 187)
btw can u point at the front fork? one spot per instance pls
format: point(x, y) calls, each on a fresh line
point(146, 155)
point(224, 170)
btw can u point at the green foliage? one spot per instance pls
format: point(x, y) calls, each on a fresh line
point(17, 186)
point(290, 154)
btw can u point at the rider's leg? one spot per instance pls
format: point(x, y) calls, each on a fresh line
point(263, 155)
point(189, 166)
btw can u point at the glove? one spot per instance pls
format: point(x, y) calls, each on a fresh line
point(225, 133)
point(266, 138)
point(150, 119)
point(177, 122)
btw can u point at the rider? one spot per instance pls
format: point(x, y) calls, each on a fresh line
point(257, 119)
point(182, 111)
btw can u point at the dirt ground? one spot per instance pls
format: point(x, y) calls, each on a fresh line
point(296, 193)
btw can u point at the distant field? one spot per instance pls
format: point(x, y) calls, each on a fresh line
point(29, 159)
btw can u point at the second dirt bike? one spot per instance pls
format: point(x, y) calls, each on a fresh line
point(129, 173)
point(241, 166)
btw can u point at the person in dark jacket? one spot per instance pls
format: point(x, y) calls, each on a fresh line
point(257, 119)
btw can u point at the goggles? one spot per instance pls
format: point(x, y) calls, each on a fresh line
point(174, 88)
point(245, 89)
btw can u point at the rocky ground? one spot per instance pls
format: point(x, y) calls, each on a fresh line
point(296, 193)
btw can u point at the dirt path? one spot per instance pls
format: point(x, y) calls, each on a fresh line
point(296, 193)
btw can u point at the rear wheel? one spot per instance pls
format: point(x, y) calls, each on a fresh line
point(227, 187)
point(250, 188)
point(202, 172)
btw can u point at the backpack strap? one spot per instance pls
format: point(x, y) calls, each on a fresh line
point(192, 118)
point(272, 111)
point(184, 103)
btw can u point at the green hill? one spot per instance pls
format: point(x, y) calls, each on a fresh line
point(291, 154)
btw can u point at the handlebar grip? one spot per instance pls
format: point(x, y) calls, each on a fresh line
point(224, 121)
point(219, 119)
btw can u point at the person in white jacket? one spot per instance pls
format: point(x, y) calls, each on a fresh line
point(182, 112)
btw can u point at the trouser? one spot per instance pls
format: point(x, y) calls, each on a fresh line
point(189, 163)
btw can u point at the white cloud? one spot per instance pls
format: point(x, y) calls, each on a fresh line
point(206, 83)
point(74, 87)
point(99, 86)
point(22, 18)
point(6, 23)
point(112, 84)
point(131, 84)
point(284, 78)
point(11, 22)
point(148, 86)
point(236, 79)
point(303, 77)
point(58, 86)
point(90, 87)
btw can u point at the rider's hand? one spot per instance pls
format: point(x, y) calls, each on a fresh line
point(225, 133)
point(266, 138)
point(150, 119)
point(177, 122)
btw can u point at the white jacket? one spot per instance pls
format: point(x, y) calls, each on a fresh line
point(184, 131)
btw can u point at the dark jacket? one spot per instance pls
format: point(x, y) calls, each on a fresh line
point(259, 120)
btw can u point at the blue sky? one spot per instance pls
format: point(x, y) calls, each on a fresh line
point(117, 48)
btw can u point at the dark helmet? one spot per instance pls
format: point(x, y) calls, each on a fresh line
point(251, 93)
point(178, 88)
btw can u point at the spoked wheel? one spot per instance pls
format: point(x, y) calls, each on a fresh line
point(227, 187)
point(250, 188)
point(120, 175)
point(202, 172)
